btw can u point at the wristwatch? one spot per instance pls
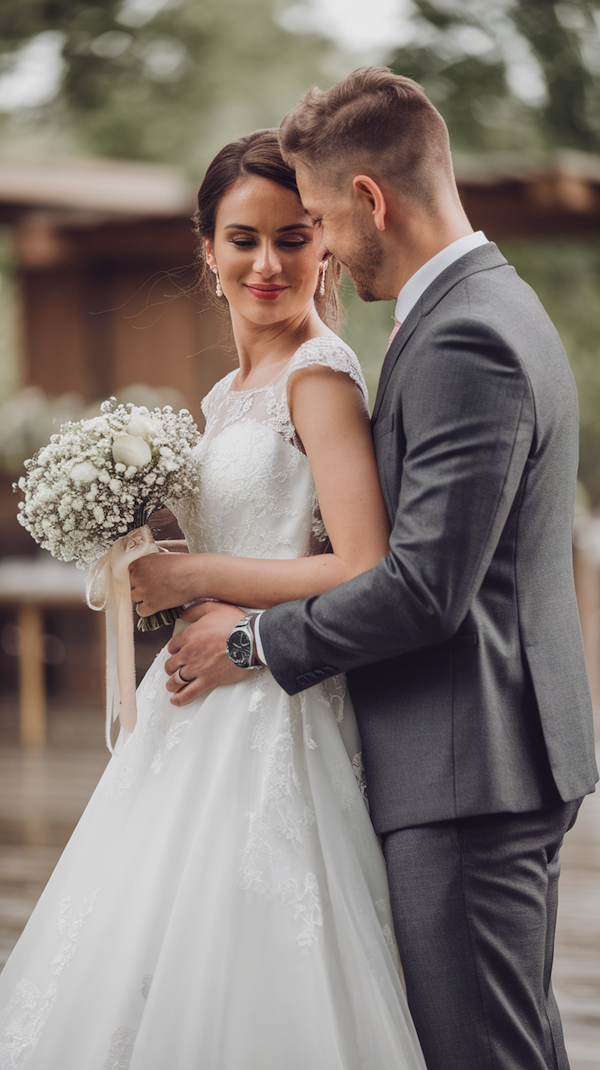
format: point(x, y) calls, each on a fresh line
point(241, 646)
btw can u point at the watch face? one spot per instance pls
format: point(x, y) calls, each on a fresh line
point(239, 649)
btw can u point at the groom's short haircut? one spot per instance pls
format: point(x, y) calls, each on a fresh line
point(375, 122)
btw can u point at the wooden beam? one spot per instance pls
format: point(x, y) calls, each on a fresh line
point(32, 688)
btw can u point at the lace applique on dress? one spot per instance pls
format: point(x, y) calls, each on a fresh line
point(359, 773)
point(122, 1041)
point(121, 1049)
point(276, 833)
point(336, 690)
point(24, 1018)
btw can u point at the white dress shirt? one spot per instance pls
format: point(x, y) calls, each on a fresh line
point(407, 299)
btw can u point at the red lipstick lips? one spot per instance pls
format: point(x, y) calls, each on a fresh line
point(266, 293)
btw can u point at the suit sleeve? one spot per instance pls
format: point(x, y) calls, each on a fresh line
point(468, 419)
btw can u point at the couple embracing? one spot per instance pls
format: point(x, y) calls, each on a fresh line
point(226, 902)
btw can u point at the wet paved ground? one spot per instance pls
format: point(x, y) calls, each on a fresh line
point(42, 797)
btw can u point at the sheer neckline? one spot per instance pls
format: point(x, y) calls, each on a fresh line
point(271, 382)
point(265, 386)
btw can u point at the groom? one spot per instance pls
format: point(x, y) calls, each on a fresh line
point(462, 646)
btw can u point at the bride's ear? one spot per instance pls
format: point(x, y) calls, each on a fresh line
point(210, 256)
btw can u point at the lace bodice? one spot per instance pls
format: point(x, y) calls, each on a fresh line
point(256, 496)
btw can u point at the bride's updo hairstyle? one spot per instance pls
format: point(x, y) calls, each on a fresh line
point(255, 154)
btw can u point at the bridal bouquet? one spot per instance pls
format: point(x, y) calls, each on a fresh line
point(87, 497)
point(101, 478)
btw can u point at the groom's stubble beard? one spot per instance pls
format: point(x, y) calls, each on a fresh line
point(363, 272)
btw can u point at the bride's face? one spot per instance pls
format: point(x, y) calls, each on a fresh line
point(263, 250)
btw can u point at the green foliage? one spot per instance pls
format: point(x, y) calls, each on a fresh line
point(566, 277)
point(166, 79)
point(564, 39)
point(367, 329)
point(471, 56)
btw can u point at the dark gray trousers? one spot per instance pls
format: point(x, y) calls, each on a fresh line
point(474, 904)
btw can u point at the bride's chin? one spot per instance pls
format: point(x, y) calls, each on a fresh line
point(270, 315)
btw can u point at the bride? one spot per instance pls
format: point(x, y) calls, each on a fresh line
point(222, 904)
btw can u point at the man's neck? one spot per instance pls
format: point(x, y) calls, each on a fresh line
point(416, 250)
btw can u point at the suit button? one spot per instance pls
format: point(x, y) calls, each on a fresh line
point(313, 677)
point(306, 679)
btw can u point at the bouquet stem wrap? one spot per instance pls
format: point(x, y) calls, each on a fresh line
point(108, 588)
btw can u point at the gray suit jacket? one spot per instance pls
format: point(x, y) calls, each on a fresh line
point(462, 646)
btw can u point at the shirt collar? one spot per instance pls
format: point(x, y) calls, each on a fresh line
point(418, 283)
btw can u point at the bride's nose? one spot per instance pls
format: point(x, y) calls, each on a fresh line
point(267, 262)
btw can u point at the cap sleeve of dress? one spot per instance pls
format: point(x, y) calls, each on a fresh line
point(330, 352)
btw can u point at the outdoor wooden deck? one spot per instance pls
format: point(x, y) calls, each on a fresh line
point(42, 796)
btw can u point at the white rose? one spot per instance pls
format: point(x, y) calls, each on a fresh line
point(131, 450)
point(84, 472)
point(141, 427)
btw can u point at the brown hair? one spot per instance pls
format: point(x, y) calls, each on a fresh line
point(375, 121)
point(255, 154)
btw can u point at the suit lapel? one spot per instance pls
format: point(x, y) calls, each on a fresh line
point(481, 259)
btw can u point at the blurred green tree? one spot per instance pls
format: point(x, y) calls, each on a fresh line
point(162, 79)
point(510, 73)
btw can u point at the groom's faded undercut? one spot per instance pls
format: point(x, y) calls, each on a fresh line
point(375, 122)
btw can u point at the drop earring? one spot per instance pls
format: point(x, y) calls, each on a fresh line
point(218, 288)
point(324, 267)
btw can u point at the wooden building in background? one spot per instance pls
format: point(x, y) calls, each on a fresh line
point(105, 253)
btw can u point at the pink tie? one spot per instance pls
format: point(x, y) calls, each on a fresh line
point(397, 327)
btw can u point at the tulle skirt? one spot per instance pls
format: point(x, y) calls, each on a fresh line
point(222, 904)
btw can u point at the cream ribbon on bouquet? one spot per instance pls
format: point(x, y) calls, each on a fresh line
point(107, 587)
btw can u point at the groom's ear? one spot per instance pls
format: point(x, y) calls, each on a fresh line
point(366, 187)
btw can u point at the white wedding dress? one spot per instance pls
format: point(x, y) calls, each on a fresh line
point(222, 904)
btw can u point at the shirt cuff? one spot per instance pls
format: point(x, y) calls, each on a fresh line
point(257, 640)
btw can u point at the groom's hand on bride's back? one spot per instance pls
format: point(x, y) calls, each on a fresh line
point(199, 660)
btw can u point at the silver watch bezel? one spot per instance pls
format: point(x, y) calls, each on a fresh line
point(245, 626)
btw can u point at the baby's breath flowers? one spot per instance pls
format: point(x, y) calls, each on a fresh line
point(100, 478)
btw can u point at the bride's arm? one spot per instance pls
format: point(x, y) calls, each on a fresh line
point(332, 421)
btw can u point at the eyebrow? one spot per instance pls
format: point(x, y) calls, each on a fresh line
point(280, 230)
